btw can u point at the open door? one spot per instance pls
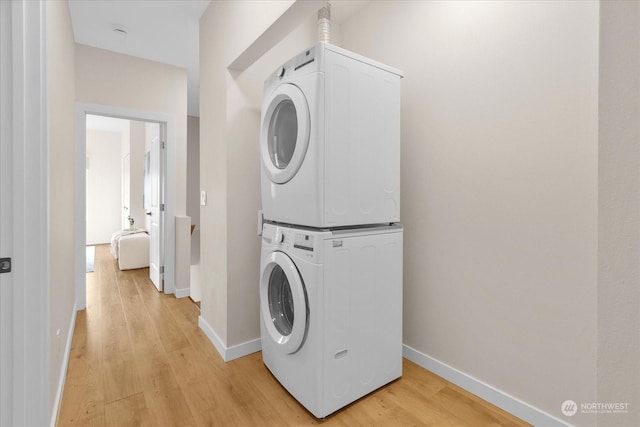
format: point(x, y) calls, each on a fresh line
point(156, 261)
point(126, 190)
point(25, 328)
point(6, 218)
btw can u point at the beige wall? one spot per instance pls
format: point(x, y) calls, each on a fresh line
point(499, 187)
point(104, 186)
point(229, 161)
point(245, 21)
point(244, 101)
point(136, 172)
point(515, 208)
point(213, 168)
point(108, 78)
point(619, 223)
point(60, 109)
point(193, 183)
point(133, 84)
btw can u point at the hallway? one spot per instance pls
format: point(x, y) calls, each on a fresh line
point(139, 358)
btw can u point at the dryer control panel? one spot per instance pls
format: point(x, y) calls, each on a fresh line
point(305, 62)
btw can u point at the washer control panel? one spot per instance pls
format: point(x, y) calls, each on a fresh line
point(292, 241)
point(303, 241)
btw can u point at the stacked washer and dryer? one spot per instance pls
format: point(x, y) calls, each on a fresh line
point(331, 260)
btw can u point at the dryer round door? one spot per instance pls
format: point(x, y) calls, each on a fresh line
point(284, 134)
point(283, 303)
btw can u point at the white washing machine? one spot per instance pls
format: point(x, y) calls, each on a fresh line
point(330, 140)
point(331, 312)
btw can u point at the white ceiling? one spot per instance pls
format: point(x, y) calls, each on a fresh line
point(165, 31)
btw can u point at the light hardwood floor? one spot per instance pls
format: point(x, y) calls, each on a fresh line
point(139, 359)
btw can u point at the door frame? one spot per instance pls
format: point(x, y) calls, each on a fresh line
point(80, 202)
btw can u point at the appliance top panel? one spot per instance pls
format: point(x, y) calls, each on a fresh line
point(270, 229)
point(312, 60)
point(344, 52)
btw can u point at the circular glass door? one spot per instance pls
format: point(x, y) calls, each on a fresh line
point(284, 134)
point(283, 303)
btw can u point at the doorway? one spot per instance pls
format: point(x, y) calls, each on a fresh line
point(124, 192)
point(165, 138)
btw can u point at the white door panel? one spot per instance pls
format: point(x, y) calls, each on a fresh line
point(6, 236)
point(156, 223)
point(24, 230)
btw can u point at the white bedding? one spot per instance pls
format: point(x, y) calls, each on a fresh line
point(115, 238)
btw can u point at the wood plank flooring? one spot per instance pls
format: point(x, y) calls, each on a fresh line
point(138, 358)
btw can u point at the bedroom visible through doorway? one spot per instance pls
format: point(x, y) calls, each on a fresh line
point(124, 191)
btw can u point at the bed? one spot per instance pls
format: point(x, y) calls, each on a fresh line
point(131, 248)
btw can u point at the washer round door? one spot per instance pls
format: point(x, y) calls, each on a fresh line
point(283, 303)
point(284, 133)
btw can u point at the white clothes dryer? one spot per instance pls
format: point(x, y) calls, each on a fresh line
point(330, 140)
point(331, 312)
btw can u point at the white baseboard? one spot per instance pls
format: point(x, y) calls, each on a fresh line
point(244, 349)
point(479, 388)
point(182, 293)
point(483, 390)
point(228, 353)
point(65, 365)
point(213, 337)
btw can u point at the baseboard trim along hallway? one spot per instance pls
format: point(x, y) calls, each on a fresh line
point(142, 357)
point(182, 292)
point(65, 366)
point(228, 353)
point(483, 390)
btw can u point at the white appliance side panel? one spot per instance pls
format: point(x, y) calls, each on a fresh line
point(338, 318)
point(362, 144)
point(388, 135)
point(363, 324)
point(366, 165)
point(339, 144)
point(366, 297)
point(389, 317)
